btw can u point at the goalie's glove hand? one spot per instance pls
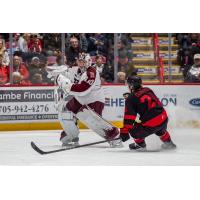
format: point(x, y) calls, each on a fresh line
point(64, 83)
point(124, 135)
point(54, 71)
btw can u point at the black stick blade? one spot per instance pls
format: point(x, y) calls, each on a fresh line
point(33, 145)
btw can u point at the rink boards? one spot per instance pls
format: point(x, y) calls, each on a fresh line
point(32, 108)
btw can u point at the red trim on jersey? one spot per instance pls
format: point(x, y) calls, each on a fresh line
point(156, 121)
point(80, 87)
point(85, 84)
point(124, 131)
point(132, 117)
point(128, 126)
point(165, 137)
point(139, 140)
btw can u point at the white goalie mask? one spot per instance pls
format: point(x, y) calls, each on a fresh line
point(86, 59)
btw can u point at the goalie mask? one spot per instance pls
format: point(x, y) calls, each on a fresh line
point(84, 60)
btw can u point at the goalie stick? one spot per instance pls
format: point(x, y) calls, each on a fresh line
point(40, 151)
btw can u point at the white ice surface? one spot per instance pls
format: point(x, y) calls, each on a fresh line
point(15, 149)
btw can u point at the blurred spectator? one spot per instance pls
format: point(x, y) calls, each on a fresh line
point(52, 41)
point(184, 57)
point(4, 53)
point(121, 77)
point(23, 42)
point(195, 49)
point(18, 79)
point(82, 41)
point(194, 37)
point(38, 74)
point(73, 51)
point(97, 44)
point(35, 45)
point(104, 79)
point(19, 67)
point(185, 60)
point(15, 42)
point(184, 40)
point(99, 64)
point(193, 75)
point(37, 79)
point(125, 57)
point(127, 39)
point(51, 60)
point(4, 72)
point(59, 61)
point(109, 73)
point(103, 69)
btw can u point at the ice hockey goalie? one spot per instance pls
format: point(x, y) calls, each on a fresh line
point(86, 103)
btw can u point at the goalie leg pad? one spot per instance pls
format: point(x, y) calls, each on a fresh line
point(95, 122)
point(68, 123)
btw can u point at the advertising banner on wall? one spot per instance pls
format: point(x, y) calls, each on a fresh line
point(27, 104)
point(153, 70)
point(143, 54)
point(141, 40)
point(165, 54)
point(36, 104)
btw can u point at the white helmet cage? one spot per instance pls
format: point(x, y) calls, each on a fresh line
point(86, 58)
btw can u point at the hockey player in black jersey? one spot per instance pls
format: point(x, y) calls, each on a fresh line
point(153, 118)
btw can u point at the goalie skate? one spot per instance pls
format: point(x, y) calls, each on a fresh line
point(66, 142)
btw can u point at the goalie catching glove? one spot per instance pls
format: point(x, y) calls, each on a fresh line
point(54, 71)
point(64, 83)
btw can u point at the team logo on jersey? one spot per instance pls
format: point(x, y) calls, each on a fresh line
point(90, 82)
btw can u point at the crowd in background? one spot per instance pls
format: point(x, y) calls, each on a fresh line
point(189, 56)
point(33, 52)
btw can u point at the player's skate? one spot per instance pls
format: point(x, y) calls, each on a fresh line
point(116, 143)
point(68, 141)
point(138, 147)
point(168, 145)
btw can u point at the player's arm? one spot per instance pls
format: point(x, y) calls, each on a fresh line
point(85, 86)
point(79, 89)
point(130, 116)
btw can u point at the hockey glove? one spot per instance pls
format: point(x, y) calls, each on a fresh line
point(64, 83)
point(54, 71)
point(126, 95)
point(124, 135)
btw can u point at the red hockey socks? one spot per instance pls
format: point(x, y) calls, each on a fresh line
point(139, 140)
point(165, 137)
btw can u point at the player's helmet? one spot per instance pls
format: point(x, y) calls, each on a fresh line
point(86, 58)
point(134, 82)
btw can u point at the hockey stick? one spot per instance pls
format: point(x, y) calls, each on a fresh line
point(40, 151)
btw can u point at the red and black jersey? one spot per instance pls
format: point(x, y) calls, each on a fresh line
point(145, 103)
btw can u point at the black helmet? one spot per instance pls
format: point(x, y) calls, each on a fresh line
point(135, 82)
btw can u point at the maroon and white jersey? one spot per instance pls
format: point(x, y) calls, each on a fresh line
point(88, 89)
